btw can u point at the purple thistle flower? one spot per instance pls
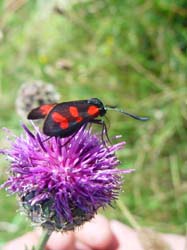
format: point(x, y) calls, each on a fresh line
point(61, 185)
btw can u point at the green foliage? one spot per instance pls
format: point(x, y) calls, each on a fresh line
point(127, 53)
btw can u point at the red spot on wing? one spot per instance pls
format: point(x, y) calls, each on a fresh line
point(62, 120)
point(79, 119)
point(74, 111)
point(93, 110)
point(46, 108)
point(40, 112)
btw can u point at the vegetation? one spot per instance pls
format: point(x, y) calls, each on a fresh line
point(129, 53)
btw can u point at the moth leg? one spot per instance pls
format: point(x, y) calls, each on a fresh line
point(104, 130)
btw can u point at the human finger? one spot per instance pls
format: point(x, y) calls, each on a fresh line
point(175, 241)
point(127, 237)
point(97, 234)
point(61, 241)
point(28, 240)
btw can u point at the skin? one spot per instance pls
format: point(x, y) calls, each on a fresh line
point(99, 234)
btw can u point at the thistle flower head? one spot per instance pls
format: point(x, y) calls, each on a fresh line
point(34, 93)
point(61, 185)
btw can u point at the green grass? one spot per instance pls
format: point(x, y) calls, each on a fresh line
point(127, 53)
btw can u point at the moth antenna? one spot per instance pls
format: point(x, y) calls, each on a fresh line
point(140, 118)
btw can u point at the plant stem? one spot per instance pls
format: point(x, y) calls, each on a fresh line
point(43, 240)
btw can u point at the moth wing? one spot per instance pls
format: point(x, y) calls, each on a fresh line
point(60, 122)
point(41, 111)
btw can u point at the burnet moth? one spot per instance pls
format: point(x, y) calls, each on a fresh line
point(66, 118)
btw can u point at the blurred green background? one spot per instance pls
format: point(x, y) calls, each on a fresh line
point(129, 53)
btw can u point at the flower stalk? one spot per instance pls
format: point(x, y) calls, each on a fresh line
point(43, 240)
